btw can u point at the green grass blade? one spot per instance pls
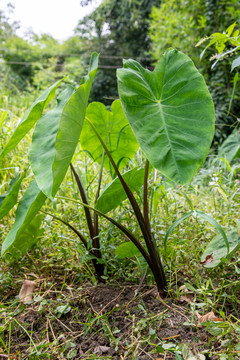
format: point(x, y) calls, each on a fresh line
point(215, 224)
point(174, 225)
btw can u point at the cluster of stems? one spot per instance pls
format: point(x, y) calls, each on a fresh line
point(151, 254)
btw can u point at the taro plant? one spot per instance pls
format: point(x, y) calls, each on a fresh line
point(171, 114)
point(114, 128)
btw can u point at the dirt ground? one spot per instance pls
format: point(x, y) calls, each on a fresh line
point(110, 322)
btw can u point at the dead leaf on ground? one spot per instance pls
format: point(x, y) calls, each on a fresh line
point(26, 291)
point(207, 317)
point(188, 298)
point(101, 350)
point(207, 260)
point(184, 289)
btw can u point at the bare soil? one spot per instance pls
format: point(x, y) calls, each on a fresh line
point(110, 322)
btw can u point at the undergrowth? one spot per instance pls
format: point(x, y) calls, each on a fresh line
point(73, 316)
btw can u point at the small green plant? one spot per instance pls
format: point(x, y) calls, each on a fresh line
point(220, 41)
point(171, 114)
point(230, 38)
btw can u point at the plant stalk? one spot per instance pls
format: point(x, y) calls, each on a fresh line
point(145, 197)
point(156, 264)
point(92, 227)
point(96, 240)
point(118, 225)
point(82, 238)
point(85, 201)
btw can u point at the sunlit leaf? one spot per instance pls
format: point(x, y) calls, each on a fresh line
point(3, 117)
point(236, 33)
point(230, 29)
point(213, 41)
point(115, 131)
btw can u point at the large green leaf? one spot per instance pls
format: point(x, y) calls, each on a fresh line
point(42, 149)
point(231, 146)
point(8, 200)
point(114, 194)
point(115, 131)
point(57, 134)
point(28, 207)
point(216, 248)
point(31, 117)
point(171, 113)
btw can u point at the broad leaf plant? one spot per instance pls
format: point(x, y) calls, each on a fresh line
point(169, 113)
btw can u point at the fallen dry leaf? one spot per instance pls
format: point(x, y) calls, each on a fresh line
point(101, 349)
point(208, 259)
point(188, 298)
point(184, 289)
point(26, 291)
point(207, 317)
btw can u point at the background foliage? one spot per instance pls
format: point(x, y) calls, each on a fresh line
point(140, 29)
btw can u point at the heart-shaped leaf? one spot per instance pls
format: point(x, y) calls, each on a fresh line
point(115, 131)
point(171, 113)
point(57, 134)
